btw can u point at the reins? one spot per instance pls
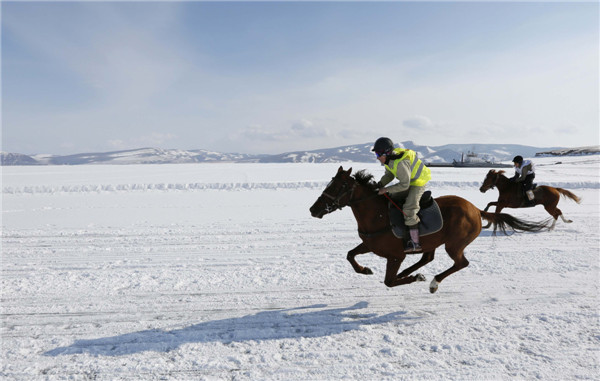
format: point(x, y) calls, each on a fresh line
point(351, 202)
point(384, 230)
point(336, 200)
point(393, 203)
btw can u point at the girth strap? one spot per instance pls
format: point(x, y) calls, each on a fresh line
point(374, 234)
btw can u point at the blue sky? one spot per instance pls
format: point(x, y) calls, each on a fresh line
point(273, 77)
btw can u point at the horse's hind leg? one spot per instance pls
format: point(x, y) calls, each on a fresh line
point(555, 212)
point(425, 259)
point(460, 262)
point(564, 219)
point(558, 213)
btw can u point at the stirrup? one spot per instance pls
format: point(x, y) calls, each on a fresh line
point(412, 247)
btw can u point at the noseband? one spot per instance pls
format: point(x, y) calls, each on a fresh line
point(336, 201)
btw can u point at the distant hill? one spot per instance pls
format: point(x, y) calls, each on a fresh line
point(17, 159)
point(591, 150)
point(353, 153)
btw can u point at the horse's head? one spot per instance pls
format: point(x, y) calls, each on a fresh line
point(490, 180)
point(336, 195)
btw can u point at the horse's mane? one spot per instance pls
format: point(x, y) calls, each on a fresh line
point(363, 177)
point(500, 172)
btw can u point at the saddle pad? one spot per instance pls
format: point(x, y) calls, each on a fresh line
point(431, 221)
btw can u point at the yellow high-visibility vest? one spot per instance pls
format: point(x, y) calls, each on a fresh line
point(419, 175)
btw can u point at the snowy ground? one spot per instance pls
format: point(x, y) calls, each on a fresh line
point(217, 271)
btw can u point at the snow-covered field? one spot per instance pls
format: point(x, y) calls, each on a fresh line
point(218, 271)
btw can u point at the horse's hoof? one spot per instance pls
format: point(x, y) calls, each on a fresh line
point(433, 286)
point(420, 278)
point(366, 271)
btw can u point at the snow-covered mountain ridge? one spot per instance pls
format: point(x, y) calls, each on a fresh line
point(353, 153)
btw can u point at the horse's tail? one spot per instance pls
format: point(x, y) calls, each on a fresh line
point(502, 221)
point(568, 194)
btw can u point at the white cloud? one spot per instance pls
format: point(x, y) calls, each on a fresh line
point(567, 129)
point(306, 129)
point(418, 122)
point(300, 134)
point(257, 133)
point(154, 139)
point(302, 129)
point(356, 135)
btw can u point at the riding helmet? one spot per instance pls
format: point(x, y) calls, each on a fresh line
point(383, 146)
point(518, 159)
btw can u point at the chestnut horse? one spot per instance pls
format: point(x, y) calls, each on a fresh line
point(512, 195)
point(462, 224)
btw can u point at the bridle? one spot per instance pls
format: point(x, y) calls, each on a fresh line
point(337, 200)
point(496, 176)
point(337, 203)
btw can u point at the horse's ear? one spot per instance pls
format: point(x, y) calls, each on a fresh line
point(349, 171)
point(340, 169)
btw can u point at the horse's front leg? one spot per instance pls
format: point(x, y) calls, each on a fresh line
point(360, 249)
point(391, 272)
point(425, 259)
point(493, 203)
point(498, 209)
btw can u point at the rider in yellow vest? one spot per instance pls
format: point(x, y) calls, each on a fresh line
point(412, 175)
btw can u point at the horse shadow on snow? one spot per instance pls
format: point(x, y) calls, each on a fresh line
point(301, 322)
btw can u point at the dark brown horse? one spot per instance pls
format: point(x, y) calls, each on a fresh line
point(462, 224)
point(512, 195)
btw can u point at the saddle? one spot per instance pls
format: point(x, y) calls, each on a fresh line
point(525, 203)
point(533, 186)
point(429, 214)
